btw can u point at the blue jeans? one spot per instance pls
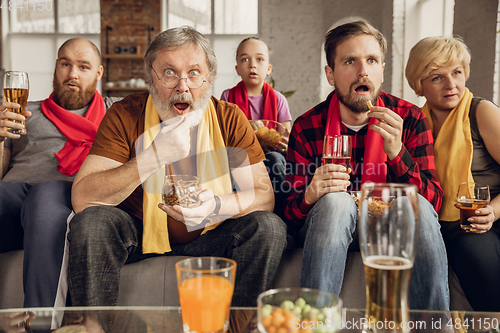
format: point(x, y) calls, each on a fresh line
point(329, 232)
point(43, 216)
point(34, 217)
point(103, 239)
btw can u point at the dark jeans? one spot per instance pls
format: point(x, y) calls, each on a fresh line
point(475, 259)
point(275, 163)
point(12, 196)
point(103, 239)
point(43, 216)
point(34, 218)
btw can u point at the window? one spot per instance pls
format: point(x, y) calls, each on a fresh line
point(224, 22)
point(38, 16)
point(38, 28)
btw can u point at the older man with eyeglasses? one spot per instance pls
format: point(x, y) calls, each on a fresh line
point(175, 128)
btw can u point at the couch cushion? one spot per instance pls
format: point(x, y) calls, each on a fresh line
point(11, 280)
point(150, 282)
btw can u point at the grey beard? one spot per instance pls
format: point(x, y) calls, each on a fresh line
point(164, 108)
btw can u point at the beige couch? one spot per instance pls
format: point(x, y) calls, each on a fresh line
point(153, 282)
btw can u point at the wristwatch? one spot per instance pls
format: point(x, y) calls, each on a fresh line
point(217, 206)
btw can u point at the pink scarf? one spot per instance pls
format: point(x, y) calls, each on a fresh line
point(79, 130)
point(374, 167)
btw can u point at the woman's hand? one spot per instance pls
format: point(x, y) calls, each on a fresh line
point(483, 219)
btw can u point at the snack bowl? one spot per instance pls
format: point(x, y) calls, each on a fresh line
point(298, 310)
point(182, 190)
point(270, 133)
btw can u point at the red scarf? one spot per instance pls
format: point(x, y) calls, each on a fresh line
point(374, 167)
point(79, 130)
point(238, 95)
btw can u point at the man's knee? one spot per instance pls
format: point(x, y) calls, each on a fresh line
point(96, 222)
point(429, 224)
point(269, 227)
point(340, 201)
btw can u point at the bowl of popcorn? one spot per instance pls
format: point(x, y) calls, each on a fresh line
point(298, 310)
point(272, 135)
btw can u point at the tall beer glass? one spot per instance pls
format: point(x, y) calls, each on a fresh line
point(388, 218)
point(15, 90)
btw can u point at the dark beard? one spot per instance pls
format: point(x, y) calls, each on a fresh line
point(71, 99)
point(357, 104)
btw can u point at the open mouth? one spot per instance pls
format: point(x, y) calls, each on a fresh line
point(181, 106)
point(362, 88)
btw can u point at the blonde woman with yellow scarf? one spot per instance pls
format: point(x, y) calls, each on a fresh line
point(466, 132)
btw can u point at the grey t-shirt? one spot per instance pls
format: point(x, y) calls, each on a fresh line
point(32, 156)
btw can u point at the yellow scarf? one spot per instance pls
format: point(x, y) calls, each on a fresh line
point(453, 154)
point(212, 167)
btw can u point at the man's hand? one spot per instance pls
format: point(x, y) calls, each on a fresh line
point(192, 217)
point(327, 178)
point(390, 126)
point(7, 119)
point(172, 143)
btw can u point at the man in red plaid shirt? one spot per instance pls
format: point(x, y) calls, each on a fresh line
point(391, 143)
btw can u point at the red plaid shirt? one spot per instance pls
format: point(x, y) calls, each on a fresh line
point(413, 165)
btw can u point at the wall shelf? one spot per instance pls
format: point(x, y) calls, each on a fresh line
point(125, 88)
point(123, 56)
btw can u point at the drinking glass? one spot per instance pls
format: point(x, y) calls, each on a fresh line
point(298, 310)
point(388, 218)
point(206, 286)
point(181, 190)
point(337, 150)
point(15, 90)
point(471, 196)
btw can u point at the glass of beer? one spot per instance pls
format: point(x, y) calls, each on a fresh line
point(15, 90)
point(471, 196)
point(388, 218)
point(206, 286)
point(337, 150)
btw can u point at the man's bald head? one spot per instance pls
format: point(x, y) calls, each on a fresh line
point(79, 42)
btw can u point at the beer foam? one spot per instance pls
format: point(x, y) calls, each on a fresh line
point(399, 263)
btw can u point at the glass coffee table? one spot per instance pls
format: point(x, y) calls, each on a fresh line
point(242, 320)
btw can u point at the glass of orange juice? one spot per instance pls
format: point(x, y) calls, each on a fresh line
point(206, 286)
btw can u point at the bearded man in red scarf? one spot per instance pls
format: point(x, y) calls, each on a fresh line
point(392, 142)
point(37, 169)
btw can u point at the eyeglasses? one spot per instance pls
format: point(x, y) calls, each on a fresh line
point(171, 80)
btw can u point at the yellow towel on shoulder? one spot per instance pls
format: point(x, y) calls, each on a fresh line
point(453, 154)
point(212, 167)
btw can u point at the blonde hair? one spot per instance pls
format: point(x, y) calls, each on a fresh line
point(431, 53)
